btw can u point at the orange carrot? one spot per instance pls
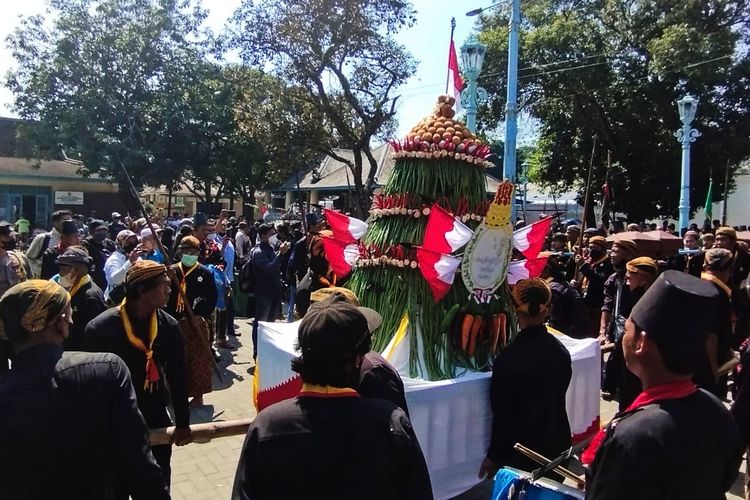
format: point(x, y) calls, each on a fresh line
point(466, 325)
point(476, 326)
point(494, 333)
point(503, 319)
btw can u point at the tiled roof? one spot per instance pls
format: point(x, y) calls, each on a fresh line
point(50, 169)
point(333, 175)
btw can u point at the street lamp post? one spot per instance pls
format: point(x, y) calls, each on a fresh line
point(511, 106)
point(472, 57)
point(686, 135)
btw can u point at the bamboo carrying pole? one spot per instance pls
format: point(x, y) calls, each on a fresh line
point(203, 433)
point(580, 482)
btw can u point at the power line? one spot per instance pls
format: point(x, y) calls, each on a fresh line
point(418, 87)
point(562, 70)
point(708, 61)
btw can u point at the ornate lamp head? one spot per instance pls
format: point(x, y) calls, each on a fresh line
point(687, 107)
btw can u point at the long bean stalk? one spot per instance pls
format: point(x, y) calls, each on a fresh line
point(395, 291)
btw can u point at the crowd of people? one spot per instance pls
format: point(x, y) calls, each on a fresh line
point(93, 352)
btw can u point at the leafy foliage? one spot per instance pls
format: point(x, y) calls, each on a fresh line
point(614, 69)
point(97, 77)
point(342, 55)
point(135, 81)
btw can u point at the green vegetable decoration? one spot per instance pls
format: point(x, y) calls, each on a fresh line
point(439, 164)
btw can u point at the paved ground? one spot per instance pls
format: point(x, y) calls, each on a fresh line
point(206, 471)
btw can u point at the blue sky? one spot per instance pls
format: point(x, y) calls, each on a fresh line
point(427, 40)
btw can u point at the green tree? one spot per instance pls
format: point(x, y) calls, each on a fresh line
point(614, 69)
point(95, 77)
point(342, 53)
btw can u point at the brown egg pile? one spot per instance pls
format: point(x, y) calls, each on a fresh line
point(440, 126)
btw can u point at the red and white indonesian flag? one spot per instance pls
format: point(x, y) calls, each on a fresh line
point(455, 83)
point(524, 269)
point(529, 240)
point(345, 228)
point(438, 269)
point(341, 255)
point(445, 233)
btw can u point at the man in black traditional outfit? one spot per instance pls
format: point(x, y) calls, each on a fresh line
point(718, 270)
point(675, 441)
point(69, 236)
point(149, 341)
point(568, 313)
point(99, 248)
point(618, 301)
point(86, 299)
point(529, 382)
point(640, 274)
point(594, 271)
point(197, 281)
point(329, 442)
point(691, 261)
point(70, 428)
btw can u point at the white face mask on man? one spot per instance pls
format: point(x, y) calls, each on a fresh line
point(67, 280)
point(273, 240)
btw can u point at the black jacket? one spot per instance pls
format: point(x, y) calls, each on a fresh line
point(597, 275)
point(378, 379)
point(87, 304)
point(70, 428)
point(200, 289)
point(49, 263)
point(568, 312)
point(99, 253)
point(529, 382)
point(691, 264)
point(106, 334)
point(266, 271)
point(680, 449)
point(336, 447)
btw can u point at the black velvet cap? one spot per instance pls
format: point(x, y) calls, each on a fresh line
point(200, 219)
point(69, 227)
point(677, 310)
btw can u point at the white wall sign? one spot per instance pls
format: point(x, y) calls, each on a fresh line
point(68, 197)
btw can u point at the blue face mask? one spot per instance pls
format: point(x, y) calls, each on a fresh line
point(189, 260)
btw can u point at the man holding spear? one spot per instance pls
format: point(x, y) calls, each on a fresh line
point(149, 341)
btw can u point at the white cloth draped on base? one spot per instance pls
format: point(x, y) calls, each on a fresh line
point(452, 418)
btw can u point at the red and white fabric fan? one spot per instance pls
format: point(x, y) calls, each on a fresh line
point(444, 233)
point(345, 228)
point(341, 255)
point(529, 240)
point(438, 269)
point(524, 269)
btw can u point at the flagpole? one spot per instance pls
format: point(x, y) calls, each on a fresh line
point(726, 195)
point(586, 201)
point(448, 75)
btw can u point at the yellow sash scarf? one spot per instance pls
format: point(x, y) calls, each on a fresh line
point(152, 371)
point(183, 285)
point(713, 279)
point(81, 281)
point(327, 391)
